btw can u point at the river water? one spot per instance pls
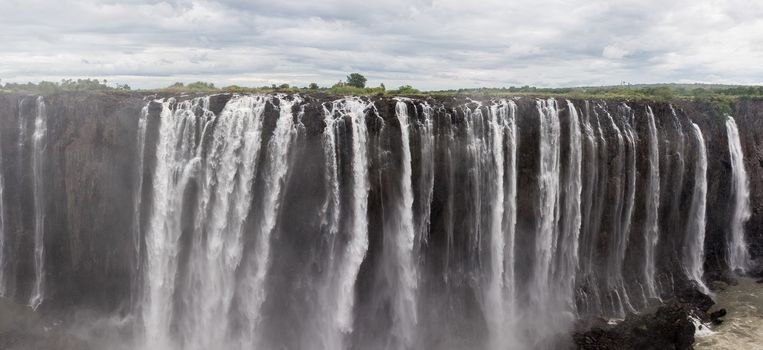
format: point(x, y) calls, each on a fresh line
point(743, 325)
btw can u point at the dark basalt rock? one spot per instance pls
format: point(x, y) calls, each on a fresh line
point(692, 296)
point(757, 269)
point(715, 316)
point(668, 328)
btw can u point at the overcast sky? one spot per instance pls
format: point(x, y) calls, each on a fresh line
point(430, 44)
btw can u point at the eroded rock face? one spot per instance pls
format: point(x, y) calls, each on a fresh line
point(92, 154)
point(88, 182)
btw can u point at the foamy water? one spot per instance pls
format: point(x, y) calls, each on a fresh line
point(743, 325)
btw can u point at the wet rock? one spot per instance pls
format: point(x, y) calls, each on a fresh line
point(694, 297)
point(718, 285)
point(668, 328)
point(757, 270)
point(716, 315)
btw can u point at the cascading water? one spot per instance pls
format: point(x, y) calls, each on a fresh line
point(567, 261)
point(651, 224)
point(499, 298)
point(477, 156)
point(618, 243)
point(405, 306)
point(216, 160)
point(287, 221)
point(138, 190)
point(548, 192)
point(329, 332)
point(39, 145)
point(737, 256)
point(510, 206)
point(628, 117)
point(252, 287)
point(176, 163)
point(137, 201)
point(339, 291)
point(594, 142)
point(426, 172)
point(225, 194)
point(542, 293)
point(694, 246)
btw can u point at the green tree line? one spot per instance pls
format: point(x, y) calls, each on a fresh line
point(356, 84)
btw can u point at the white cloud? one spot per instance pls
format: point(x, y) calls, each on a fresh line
point(614, 52)
point(429, 44)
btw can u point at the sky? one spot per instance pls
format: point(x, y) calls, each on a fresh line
point(429, 44)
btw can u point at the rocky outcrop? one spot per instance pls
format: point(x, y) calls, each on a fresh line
point(671, 326)
point(668, 328)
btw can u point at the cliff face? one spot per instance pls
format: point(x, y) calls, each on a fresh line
point(749, 114)
point(88, 180)
point(97, 246)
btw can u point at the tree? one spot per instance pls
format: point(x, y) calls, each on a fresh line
point(357, 80)
point(313, 86)
point(201, 86)
point(407, 89)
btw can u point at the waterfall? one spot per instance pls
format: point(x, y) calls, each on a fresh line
point(572, 216)
point(405, 306)
point(651, 225)
point(694, 246)
point(252, 287)
point(206, 168)
point(39, 146)
point(737, 256)
point(224, 201)
point(590, 214)
point(499, 292)
point(510, 206)
point(138, 188)
point(624, 187)
point(542, 292)
point(476, 156)
point(176, 163)
point(427, 172)
point(630, 199)
point(329, 330)
point(340, 294)
point(548, 196)
point(272, 221)
point(618, 240)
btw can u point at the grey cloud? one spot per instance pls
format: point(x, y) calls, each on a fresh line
point(429, 44)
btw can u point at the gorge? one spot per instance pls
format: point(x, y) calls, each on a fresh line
point(288, 221)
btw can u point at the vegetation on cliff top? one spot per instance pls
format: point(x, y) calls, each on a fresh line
point(719, 96)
